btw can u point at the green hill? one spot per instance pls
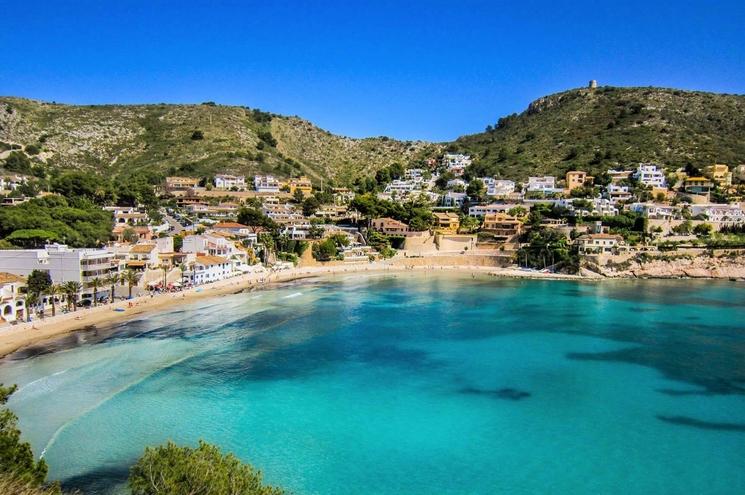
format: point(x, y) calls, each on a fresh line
point(593, 130)
point(194, 140)
point(608, 127)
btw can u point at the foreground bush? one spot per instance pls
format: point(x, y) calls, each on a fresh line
point(173, 470)
point(14, 486)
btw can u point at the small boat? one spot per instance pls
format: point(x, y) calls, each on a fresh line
point(119, 310)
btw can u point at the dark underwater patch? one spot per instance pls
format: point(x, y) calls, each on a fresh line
point(704, 425)
point(506, 393)
point(100, 480)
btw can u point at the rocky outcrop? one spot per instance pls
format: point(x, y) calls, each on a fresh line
point(678, 267)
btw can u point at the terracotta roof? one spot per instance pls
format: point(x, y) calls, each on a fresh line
point(142, 248)
point(211, 260)
point(9, 278)
point(135, 263)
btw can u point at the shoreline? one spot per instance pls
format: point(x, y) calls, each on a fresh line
point(16, 337)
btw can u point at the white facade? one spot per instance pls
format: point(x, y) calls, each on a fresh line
point(482, 210)
point(498, 187)
point(649, 175)
point(61, 262)
point(545, 184)
point(657, 211)
point(266, 183)
point(453, 199)
point(210, 269)
point(224, 181)
point(456, 162)
point(618, 193)
point(720, 213)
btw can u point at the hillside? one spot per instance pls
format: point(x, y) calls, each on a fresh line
point(586, 129)
point(115, 138)
point(607, 127)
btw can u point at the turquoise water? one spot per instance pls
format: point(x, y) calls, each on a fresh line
point(413, 384)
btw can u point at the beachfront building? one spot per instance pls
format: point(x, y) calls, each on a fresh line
point(143, 256)
point(446, 222)
point(177, 183)
point(600, 244)
point(63, 264)
point(206, 268)
point(456, 163)
point(389, 226)
point(266, 184)
point(502, 226)
point(650, 175)
point(227, 181)
point(576, 179)
point(12, 302)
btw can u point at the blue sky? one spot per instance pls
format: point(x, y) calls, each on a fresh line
point(407, 69)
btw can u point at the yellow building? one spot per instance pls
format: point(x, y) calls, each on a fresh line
point(502, 225)
point(301, 183)
point(446, 222)
point(577, 178)
point(719, 173)
point(697, 185)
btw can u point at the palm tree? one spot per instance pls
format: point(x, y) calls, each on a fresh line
point(95, 284)
point(53, 291)
point(132, 278)
point(165, 275)
point(71, 290)
point(113, 279)
point(31, 300)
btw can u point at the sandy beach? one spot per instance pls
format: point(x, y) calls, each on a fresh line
point(15, 337)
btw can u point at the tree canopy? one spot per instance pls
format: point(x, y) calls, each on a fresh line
point(173, 470)
point(55, 219)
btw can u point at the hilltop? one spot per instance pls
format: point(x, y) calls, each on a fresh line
point(195, 140)
point(607, 127)
point(586, 129)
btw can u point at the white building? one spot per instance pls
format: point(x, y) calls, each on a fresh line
point(207, 269)
point(399, 188)
point(649, 175)
point(456, 183)
point(12, 305)
point(498, 187)
point(545, 184)
point(456, 163)
point(720, 213)
point(61, 262)
point(656, 210)
point(12, 182)
point(482, 210)
point(225, 181)
point(453, 199)
point(266, 183)
point(618, 193)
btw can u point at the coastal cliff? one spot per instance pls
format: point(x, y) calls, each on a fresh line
point(672, 266)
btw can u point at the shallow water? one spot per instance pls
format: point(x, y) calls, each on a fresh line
point(414, 384)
